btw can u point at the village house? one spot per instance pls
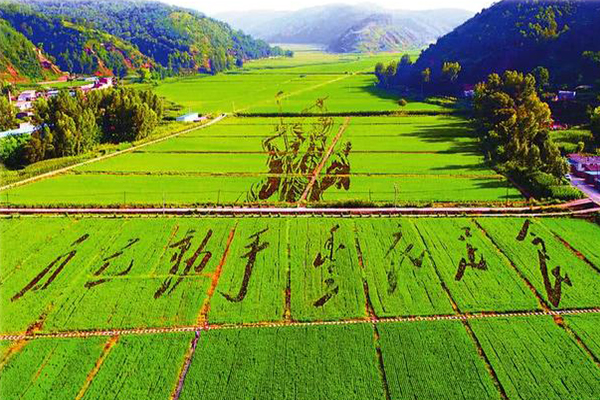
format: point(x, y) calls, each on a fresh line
point(587, 168)
point(27, 96)
point(24, 128)
point(566, 95)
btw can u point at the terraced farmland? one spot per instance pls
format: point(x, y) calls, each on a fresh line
point(373, 160)
point(224, 308)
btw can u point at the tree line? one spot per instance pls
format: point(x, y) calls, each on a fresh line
point(69, 125)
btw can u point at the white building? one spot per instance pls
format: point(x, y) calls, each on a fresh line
point(24, 128)
point(190, 117)
point(28, 95)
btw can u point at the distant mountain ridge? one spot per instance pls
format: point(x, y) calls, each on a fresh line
point(344, 28)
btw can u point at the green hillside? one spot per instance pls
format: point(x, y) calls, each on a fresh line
point(178, 39)
point(18, 56)
point(74, 47)
point(522, 35)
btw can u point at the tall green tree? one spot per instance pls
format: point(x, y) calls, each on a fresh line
point(514, 125)
point(8, 115)
point(451, 70)
point(542, 78)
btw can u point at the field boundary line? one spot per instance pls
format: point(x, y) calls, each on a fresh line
point(104, 157)
point(574, 251)
point(284, 324)
point(321, 165)
point(205, 309)
point(108, 346)
point(187, 361)
point(299, 91)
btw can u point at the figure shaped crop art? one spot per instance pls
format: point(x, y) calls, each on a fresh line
point(296, 149)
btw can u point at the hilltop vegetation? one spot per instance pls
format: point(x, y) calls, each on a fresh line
point(520, 35)
point(18, 56)
point(74, 47)
point(176, 39)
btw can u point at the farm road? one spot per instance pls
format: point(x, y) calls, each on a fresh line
point(205, 327)
point(530, 212)
point(117, 153)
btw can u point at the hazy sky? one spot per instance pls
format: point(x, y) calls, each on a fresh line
point(216, 6)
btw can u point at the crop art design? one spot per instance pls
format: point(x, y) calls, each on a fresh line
point(326, 260)
point(407, 253)
point(471, 259)
point(101, 275)
point(182, 247)
point(53, 270)
point(297, 150)
point(254, 247)
point(553, 290)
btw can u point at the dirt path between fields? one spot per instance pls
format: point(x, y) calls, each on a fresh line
point(117, 153)
point(366, 320)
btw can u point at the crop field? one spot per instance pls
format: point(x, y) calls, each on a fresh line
point(384, 308)
point(383, 160)
point(306, 307)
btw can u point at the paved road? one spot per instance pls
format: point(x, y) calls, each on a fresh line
point(591, 192)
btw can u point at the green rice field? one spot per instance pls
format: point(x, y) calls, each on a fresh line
point(412, 159)
point(366, 304)
point(160, 307)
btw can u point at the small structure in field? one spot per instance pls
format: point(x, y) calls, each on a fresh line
point(190, 117)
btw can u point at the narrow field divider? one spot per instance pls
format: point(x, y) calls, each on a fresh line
point(283, 324)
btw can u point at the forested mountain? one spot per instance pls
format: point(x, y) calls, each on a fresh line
point(561, 36)
point(19, 58)
point(72, 46)
point(178, 39)
point(345, 28)
point(117, 37)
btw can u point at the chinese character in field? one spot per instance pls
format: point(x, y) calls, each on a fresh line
point(53, 270)
point(330, 249)
point(417, 261)
point(471, 259)
point(524, 231)
point(182, 247)
point(104, 273)
point(254, 248)
point(554, 291)
point(327, 258)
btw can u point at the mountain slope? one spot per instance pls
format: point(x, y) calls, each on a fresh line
point(72, 46)
point(178, 39)
point(20, 60)
point(521, 35)
point(350, 28)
